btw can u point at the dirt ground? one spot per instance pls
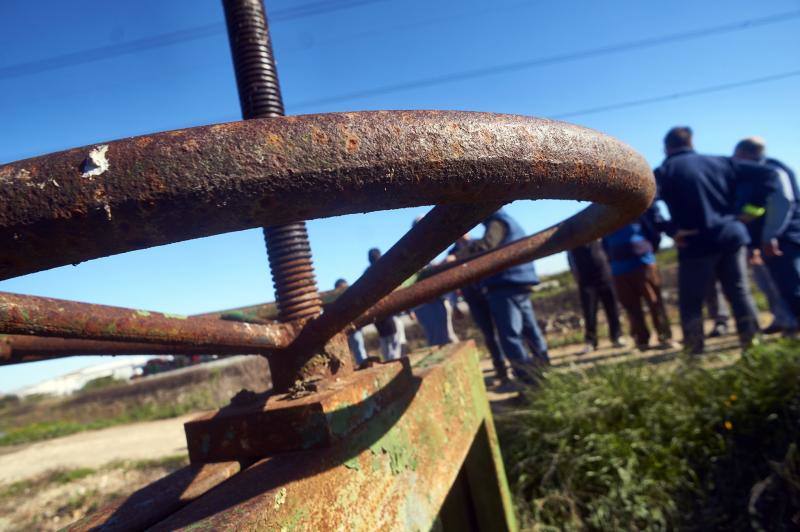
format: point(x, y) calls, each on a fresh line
point(94, 449)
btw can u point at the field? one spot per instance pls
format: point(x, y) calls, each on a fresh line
point(614, 439)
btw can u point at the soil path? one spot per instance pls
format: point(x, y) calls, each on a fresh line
point(138, 441)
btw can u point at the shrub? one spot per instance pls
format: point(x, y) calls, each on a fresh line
point(641, 448)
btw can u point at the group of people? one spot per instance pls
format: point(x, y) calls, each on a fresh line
point(499, 305)
point(724, 213)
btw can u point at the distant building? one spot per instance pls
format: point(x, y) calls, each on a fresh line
point(122, 369)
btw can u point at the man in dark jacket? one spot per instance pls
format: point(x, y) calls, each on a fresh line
point(769, 202)
point(481, 314)
point(592, 272)
point(509, 296)
point(699, 192)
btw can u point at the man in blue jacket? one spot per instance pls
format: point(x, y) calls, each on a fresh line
point(699, 191)
point(636, 278)
point(770, 205)
point(509, 295)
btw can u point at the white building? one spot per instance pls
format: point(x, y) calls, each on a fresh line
point(123, 368)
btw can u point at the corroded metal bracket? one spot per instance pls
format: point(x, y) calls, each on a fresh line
point(323, 416)
point(423, 460)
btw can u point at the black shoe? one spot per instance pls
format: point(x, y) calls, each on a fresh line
point(773, 329)
point(508, 387)
point(720, 329)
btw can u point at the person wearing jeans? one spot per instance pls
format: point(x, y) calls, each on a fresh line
point(770, 203)
point(695, 274)
point(718, 309)
point(783, 319)
point(508, 293)
point(517, 328)
point(481, 314)
point(700, 192)
point(355, 340)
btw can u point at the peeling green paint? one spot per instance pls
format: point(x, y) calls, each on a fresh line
point(142, 313)
point(397, 446)
point(175, 316)
point(353, 463)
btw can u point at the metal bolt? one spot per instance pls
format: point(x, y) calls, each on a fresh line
point(260, 97)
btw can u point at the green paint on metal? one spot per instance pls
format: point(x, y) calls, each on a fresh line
point(175, 316)
point(338, 420)
point(292, 523)
point(143, 313)
point(112, 328)
point(397, 446)
point(353, 463)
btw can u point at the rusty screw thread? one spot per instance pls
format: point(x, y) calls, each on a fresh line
point(288, 247)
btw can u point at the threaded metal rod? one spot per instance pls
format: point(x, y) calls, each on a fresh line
point(260, 97)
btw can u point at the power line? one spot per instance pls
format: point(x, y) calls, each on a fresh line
point(653, 99)
point(677, 95)
point(554, 59)
point(165, 39)
point(381, 31)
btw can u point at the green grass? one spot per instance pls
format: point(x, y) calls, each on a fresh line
point(639, 448)
point(46, 430)
point(102, 382)
point(71, 475)
point(170, 463)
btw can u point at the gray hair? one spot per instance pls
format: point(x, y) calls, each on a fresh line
point(752, 147)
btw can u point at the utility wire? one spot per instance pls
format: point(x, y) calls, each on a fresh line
point(554, 59)
point(165, 39)
point(677, 95)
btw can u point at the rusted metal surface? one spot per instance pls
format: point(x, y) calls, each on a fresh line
point(393, 473)
point(185, 184)
point(15, 348)
point(68, 319)
point(271, 423)
point(292, 368)
point(158, 500)
point(292, 269)
point(260, 97)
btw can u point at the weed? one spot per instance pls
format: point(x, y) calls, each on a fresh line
point(629, 447)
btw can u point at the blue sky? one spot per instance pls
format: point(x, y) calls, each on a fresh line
point(50, 106)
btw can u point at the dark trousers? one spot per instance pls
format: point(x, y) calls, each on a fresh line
point(785, 271)
point(591, 296)
point(716, 305)
point(516, 326)
point(643, 284)
point(694, 276)
point(482, 316)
